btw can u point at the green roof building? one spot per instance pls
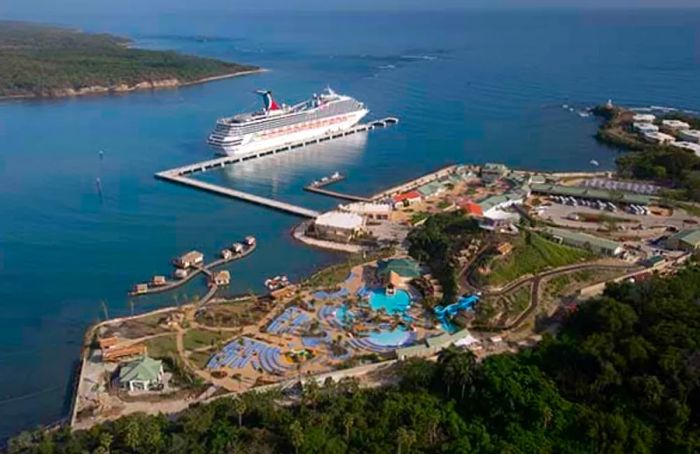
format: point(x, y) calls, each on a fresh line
point(406, 268)
point(585, 241)
point(141, 374)
point(686, 240)
point(430, 189)
point(591, 194)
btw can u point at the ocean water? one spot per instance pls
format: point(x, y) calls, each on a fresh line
point(468, 87)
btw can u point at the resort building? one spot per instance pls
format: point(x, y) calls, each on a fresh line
point(223, 277)
point(675, 125)
point(142, 374)
point(645, 127)
point(658, 138)
point(644, 118)
point(491, 172)
point(431, 189)
point(686, 240)
point(189, 260)
point(405, 268)
point(159, 281)
point(472, 209)
point(338, 225)
point(690, 146)
point(375, 211)
point(690, 135)
point(406, 199)
point(585, 241)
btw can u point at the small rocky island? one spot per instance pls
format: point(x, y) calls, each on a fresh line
point(45, 61)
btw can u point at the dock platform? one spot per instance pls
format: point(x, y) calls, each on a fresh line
point(205, 269)
point(178, 175)
point(319, 187)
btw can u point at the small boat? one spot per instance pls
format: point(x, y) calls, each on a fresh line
point(276, 283)
point(593, 162)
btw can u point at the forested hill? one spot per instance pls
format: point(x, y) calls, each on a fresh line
point(39, 60)
point(623, 376)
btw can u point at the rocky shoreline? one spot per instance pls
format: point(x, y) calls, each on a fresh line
point(126, 88)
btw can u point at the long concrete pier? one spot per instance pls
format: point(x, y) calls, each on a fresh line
point(178, 174)
point(240, 195)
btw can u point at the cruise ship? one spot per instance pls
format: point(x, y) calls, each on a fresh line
point(279, 124)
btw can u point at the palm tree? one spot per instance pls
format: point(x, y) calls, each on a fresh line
point(404, 439)
point(240, 407)
point(348, 422)
point(457, 368)
point(296, 435)
point(239, 378)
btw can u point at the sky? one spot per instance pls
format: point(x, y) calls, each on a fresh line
point(13, 8)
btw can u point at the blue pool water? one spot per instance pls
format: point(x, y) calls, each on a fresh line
point(394, 304)
point(344, 315)
point(390, 338)
point(467, 86)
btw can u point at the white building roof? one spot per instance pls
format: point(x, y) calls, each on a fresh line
point(340, 219)
point(659, 137)
point(367, 208)
point(694, 147)
point(644, 118)
point(676, 124)
point(645, 127)
point(691, 135)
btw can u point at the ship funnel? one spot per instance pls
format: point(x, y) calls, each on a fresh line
point(268, 100)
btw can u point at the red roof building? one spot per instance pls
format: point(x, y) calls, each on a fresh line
point(473, 209)
point(406, 197)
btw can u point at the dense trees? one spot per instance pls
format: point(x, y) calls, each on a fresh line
point(623, 376)
point(665, 164)
point(435, 243)
point(39, 60)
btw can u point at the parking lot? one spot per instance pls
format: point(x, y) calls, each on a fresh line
point(591, 215)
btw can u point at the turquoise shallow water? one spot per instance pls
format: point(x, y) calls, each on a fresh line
point(467, 87)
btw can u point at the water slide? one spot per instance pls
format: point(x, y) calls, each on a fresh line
point(464, 303)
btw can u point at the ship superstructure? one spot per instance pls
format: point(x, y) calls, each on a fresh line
point(278, 124)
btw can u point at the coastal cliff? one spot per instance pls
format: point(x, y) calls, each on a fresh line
point(44, 61)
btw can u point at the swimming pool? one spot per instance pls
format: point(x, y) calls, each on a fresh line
point(390, 338)
point(343, 315)
point(392, 304)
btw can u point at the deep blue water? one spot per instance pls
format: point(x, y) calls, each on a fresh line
point(468, 87)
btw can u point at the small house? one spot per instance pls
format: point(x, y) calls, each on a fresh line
point(226, 254)
point(142, 374)
point(237, 248)
point(190, 259)
point(158, 281)
point(140, 289)
point(180, 273)
point(222, 278)
point(405, 199)
point(250, 241)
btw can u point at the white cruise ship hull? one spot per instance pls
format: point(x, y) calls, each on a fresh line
point(275, 138)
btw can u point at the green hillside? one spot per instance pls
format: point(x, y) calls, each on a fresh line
point(39, 60)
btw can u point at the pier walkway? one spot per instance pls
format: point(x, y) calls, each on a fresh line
point(206, 269)
point(319, 187)
point(245, 196)
point(178, 174)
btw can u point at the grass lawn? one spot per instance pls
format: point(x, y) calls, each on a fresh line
point(335, 274)
point(200, 359)
point(516, 303)
point(198, 338)
point(532, 257)
point(162, 347)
